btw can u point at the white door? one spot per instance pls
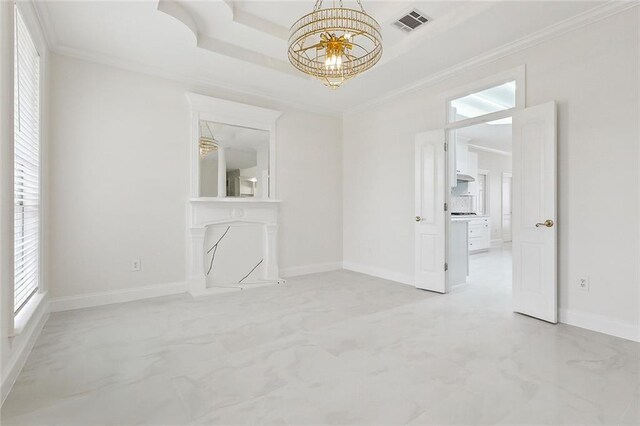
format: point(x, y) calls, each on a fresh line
point(506, 207)
point(534, 212)
point(430, 231)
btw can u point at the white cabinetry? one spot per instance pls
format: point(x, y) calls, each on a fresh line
point(479, 234)
point(466, 161)
point(472, 170)
point(472, 165)
point(462, 156)
point(462, 160)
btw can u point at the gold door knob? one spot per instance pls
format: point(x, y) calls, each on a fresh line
point(418, 218)
point(548, 223)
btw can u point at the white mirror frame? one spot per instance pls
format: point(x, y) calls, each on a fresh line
point(235, 114)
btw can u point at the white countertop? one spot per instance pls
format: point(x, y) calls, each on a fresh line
point(468, 218)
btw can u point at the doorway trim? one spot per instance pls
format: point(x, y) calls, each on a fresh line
point(517, 74)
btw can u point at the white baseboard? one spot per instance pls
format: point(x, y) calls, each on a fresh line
point(310, 269)
point(380, 273)
point(601, 324)
point(68, 303)
point(497, 243)
point(21, 345)
point(234, 288)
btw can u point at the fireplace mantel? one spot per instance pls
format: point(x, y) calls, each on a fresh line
point(242, 234)
point(232, 242)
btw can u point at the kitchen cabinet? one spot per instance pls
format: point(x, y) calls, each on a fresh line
point(479, 234)
point(462, 155)
point(472, 170)
point(466, 161)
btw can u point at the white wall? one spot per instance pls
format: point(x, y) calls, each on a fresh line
point(209, 175)
point(593, 75)
point(119, 180)
point(496, 164)
point(309, 159)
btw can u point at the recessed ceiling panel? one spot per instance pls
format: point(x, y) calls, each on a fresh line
point(241, 46)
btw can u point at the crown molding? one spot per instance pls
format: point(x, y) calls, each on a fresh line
point(44, 17)
point(591, 16)
point(231, 89)
point(51, 39)
point(175, 10)
point(434, 28)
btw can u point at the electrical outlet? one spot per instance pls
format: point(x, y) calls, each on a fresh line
point(135, 265)
point(583, 283)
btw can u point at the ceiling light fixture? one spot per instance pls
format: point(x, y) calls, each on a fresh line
point(335, 44)
point(207, 146)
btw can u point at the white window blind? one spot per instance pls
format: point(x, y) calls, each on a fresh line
point(26, 164)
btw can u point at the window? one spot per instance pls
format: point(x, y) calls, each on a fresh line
point(26, 164)
point(493, 99)
point(483, 193)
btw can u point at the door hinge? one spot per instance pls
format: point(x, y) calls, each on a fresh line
point(446, 146)
point(446, 267)
point(446, 207)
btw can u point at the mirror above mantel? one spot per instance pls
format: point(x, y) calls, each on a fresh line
point(232, 200)
point(232, 150)
point(234, 161)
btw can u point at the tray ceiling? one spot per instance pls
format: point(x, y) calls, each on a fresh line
point(241, 45)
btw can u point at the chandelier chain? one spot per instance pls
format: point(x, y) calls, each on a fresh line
point(318, 5)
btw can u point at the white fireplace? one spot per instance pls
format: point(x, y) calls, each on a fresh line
point(233, 244)
point(232, 235)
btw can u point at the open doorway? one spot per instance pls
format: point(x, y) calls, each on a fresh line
point(447, 174)
point(480, 155)
point(480, 203)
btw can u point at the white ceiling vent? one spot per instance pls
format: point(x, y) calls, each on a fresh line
point(411, 21)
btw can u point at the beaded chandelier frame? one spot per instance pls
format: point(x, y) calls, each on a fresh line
point(335, 44)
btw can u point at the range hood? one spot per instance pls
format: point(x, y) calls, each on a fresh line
point(465, 178)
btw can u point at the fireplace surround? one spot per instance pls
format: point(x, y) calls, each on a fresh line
point(232, 241)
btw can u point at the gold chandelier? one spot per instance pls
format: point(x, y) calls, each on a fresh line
point(207, 146)
point(335, 44)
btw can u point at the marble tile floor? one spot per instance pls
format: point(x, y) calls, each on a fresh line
point(330, 348)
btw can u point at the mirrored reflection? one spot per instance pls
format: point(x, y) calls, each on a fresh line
point(234, 161)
